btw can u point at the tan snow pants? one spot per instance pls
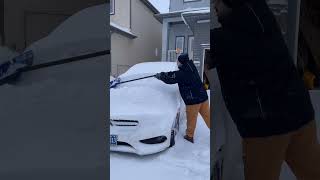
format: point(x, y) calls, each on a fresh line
point(263, 157)
point(192, 115)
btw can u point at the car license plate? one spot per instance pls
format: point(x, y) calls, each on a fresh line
point(113, 140)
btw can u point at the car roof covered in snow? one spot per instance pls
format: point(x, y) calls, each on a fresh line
point(82, 33)
point(150, 68)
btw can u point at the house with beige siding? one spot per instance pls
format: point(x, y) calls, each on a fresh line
point(135, 34)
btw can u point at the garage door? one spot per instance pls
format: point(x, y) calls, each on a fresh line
point(39, 25)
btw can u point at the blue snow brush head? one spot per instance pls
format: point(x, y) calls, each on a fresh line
point(114, 83)
point(183, 58)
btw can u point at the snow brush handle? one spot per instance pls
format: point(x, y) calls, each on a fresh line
point(137, 79)
point(64, 61)
point(114, 83)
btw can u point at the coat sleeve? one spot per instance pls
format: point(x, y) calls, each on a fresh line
point(172, 77)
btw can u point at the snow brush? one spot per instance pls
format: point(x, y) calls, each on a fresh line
point(114, 83)
point(11, 70)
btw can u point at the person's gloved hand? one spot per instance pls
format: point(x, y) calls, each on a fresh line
point(159, 75)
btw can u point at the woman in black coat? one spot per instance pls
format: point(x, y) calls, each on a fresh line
point(192, 92)
point(263, 92)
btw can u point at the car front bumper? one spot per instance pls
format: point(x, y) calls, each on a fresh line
point(130, 143)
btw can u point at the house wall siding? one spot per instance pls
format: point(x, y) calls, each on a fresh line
point(127, 52)
point(122, 13)
point(202, 36)
point(176, 5)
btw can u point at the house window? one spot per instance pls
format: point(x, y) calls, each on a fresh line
point(112, 7)
point(180, 43)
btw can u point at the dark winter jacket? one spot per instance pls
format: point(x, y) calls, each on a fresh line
point(190, 86)
point(260, 84)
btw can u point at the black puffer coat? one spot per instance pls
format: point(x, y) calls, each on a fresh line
point(260, 84)
point(190, 86)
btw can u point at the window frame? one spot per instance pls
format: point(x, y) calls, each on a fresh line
point(183, 43)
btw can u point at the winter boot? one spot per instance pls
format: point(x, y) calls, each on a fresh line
point(190, 139)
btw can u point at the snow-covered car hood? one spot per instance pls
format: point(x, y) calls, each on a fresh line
point(147, 101)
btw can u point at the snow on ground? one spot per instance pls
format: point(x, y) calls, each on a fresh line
point(185, 160)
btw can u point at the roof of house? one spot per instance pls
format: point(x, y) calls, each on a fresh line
point(171, 14)
point(201, 11)
point(150, 6)
point(192, 17)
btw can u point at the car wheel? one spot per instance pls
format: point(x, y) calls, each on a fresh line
point(172, 139)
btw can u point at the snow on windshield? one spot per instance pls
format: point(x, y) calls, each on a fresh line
point(148, 94)
point(147, 69)
point(143, 99)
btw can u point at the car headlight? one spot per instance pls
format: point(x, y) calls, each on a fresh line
point(155, 140)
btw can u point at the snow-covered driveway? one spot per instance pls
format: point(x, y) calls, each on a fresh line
point(185, 160)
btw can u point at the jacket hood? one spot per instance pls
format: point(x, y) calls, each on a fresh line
point(183, 58)
point(186, 66)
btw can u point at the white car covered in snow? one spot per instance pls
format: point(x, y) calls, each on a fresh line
point(144, 114)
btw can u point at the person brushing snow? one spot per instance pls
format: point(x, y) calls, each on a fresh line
point(192, 92)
